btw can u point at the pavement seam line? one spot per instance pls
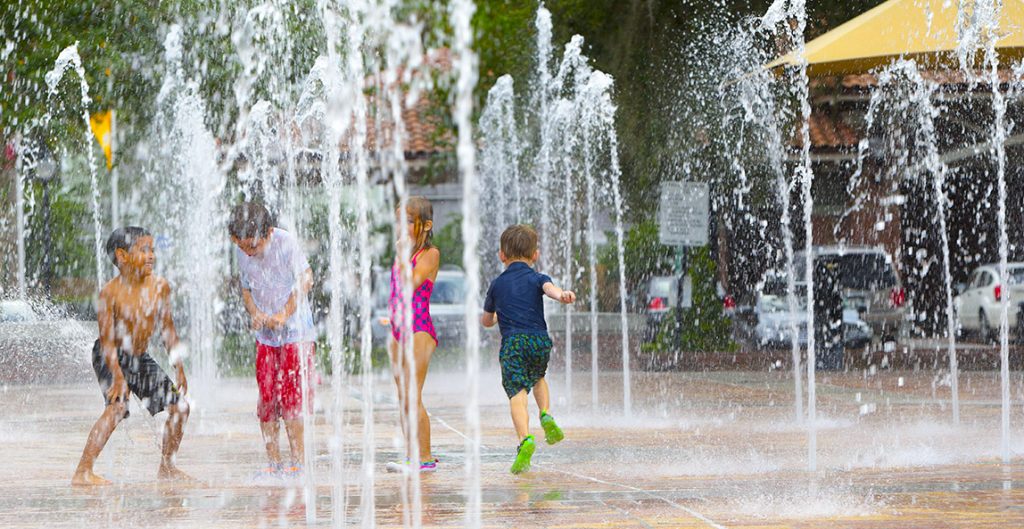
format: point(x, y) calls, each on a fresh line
point(683, 508)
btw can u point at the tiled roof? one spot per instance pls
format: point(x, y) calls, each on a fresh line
point(421, 138)
point(829, 132)
point(945, 78)
point(421, 123)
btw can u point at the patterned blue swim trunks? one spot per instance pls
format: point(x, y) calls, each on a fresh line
point(524, 361)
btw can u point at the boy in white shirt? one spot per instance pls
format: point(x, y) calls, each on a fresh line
point(275, 279)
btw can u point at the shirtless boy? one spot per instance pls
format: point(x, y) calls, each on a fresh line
point(130, 307)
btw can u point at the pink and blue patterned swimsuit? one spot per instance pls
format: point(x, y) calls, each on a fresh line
point(421, 321)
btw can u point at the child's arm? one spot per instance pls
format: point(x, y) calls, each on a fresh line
point(559, 295)
point(259, 319)
point(305, 285)
point(490, 316)
point(426, 267)
point(169, 333)
point(108, 346)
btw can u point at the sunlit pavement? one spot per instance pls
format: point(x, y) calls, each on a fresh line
point(705, 450)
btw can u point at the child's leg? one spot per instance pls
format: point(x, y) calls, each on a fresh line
point(399, 371)
point(538, 368)
point(520, 415)
point(423, 349)
point(94, 444)
point(542, 395)
point(295, 431)
point(177, 416)
point(268, 407)
point(270, 436)
point(296, 395)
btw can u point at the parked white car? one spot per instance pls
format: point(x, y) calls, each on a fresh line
point(41, 345)
point(774, 320)
point(979, 303)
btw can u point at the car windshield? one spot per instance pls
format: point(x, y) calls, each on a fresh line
point(16, 311)
point(1016, 276)
point(859, 271)
point(661, 287)
point(449, 290)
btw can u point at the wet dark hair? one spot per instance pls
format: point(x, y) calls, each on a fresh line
point(519, 241)
point(123, 239)
point(250, 219)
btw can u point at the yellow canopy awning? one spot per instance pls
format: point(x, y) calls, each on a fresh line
point(900, 28)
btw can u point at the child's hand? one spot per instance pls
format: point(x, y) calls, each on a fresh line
point(276, 321)
point(259, 321)
point(118, 388)
point(568, 296)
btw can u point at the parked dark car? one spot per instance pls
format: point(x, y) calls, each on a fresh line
point(870, 286)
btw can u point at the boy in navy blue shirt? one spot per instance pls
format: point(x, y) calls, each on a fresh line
point(515, 301)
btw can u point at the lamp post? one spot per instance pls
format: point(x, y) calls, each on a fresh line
point(43, 169)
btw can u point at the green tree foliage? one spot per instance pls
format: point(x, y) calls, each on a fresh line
point(644, 257)
point(121, 46)
point(656, 51)
point(119, 43)
point(448, 241)
point(505, 37)
point(70, 255)
point(648, 46)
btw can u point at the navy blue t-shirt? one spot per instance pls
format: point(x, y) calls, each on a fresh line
point(517, 295)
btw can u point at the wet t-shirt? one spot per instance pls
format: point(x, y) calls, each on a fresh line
point(517, 295)
point(271, 278)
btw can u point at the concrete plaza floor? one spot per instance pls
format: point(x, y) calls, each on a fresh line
point(703, 450)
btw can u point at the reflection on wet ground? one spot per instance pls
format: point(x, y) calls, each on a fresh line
point(709, 450)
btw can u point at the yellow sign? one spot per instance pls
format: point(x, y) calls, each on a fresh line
point(100, 123)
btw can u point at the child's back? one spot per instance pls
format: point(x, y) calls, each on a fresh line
point(517, 295)
point(515, 301)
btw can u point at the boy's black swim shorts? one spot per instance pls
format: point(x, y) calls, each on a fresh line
point(142, 375)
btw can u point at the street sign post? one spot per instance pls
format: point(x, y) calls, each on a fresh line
point(684, 213)
point(683, 220)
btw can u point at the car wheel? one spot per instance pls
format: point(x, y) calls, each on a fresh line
point(984, 329)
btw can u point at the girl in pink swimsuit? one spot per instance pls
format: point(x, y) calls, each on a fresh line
point(421, 321)
point(410, 363)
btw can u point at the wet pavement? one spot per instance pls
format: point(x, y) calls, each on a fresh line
point(707, 450)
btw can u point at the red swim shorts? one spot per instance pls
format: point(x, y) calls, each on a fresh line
point(279, 377)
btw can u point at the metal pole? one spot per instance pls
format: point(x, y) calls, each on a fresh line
point(19, 206)
point(115, 202)
point(682, 270)
point(47, 240)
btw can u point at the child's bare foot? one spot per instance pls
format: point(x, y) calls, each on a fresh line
point(86, 478)
point(172, 473)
